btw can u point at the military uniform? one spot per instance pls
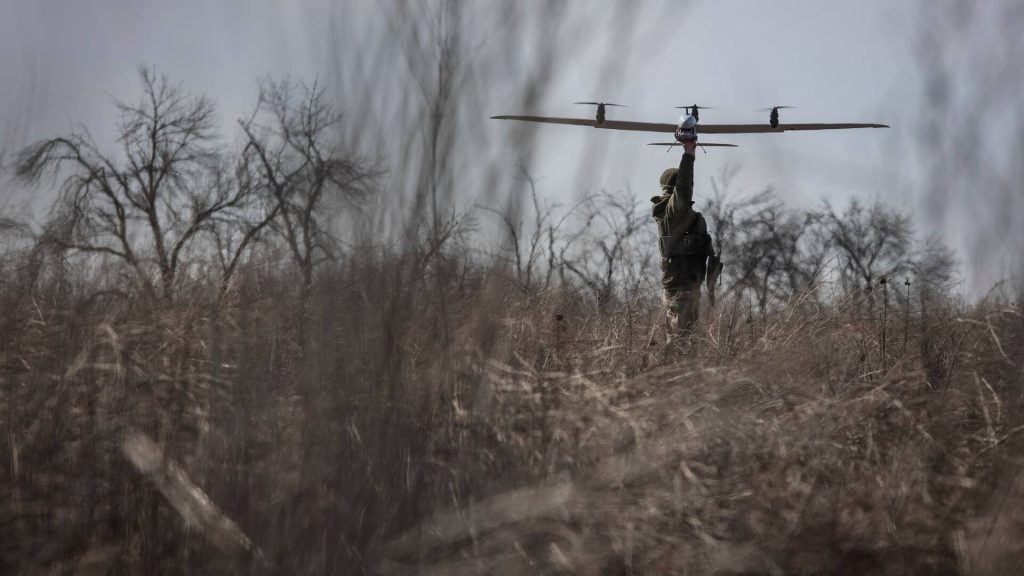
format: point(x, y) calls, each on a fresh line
point(685, 247)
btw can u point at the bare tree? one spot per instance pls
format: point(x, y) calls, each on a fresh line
point(754, 258)
point(745, 237)
point(934, 265)
point(769, 250)
point(303, 169)
point(871, 242)
point(234, 234)
point(617, 253)
point(527, 244)
point(796, 248)
point(146, 205)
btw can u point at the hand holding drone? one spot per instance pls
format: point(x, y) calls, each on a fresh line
point(686, 131)
point(686, 134)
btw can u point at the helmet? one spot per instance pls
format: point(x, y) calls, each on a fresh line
point(668, 177)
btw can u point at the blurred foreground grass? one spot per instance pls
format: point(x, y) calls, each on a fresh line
point(360, 430)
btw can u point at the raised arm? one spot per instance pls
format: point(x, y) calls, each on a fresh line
point(682, 196)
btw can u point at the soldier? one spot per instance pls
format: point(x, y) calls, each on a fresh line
point(685, 246)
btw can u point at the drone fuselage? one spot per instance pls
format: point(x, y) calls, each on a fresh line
point(687, 129)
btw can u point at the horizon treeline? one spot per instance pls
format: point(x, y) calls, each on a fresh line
point(177, 204)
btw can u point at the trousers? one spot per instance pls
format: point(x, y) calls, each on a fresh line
point(681, 280)
point(682, 312)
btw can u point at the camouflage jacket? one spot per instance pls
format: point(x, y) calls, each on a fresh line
point(682, 231)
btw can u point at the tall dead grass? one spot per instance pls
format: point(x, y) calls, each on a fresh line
point(514, 432)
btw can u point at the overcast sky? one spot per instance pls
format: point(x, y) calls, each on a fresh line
point(835, 60)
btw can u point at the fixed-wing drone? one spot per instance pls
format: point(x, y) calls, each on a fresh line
point(689, 126)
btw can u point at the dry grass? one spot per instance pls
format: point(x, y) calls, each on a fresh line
point(444, 424)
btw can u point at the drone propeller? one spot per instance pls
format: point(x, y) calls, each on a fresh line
point(602, 104)
point(694, 110)
point(773, 118)
point(600, 109)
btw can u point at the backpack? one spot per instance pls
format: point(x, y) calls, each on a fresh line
point(691, 238)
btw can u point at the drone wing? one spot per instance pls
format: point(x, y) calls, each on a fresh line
point(701, 128)
point(607, 124)
point(762, 128)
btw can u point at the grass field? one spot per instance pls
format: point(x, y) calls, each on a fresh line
point(400, 420)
